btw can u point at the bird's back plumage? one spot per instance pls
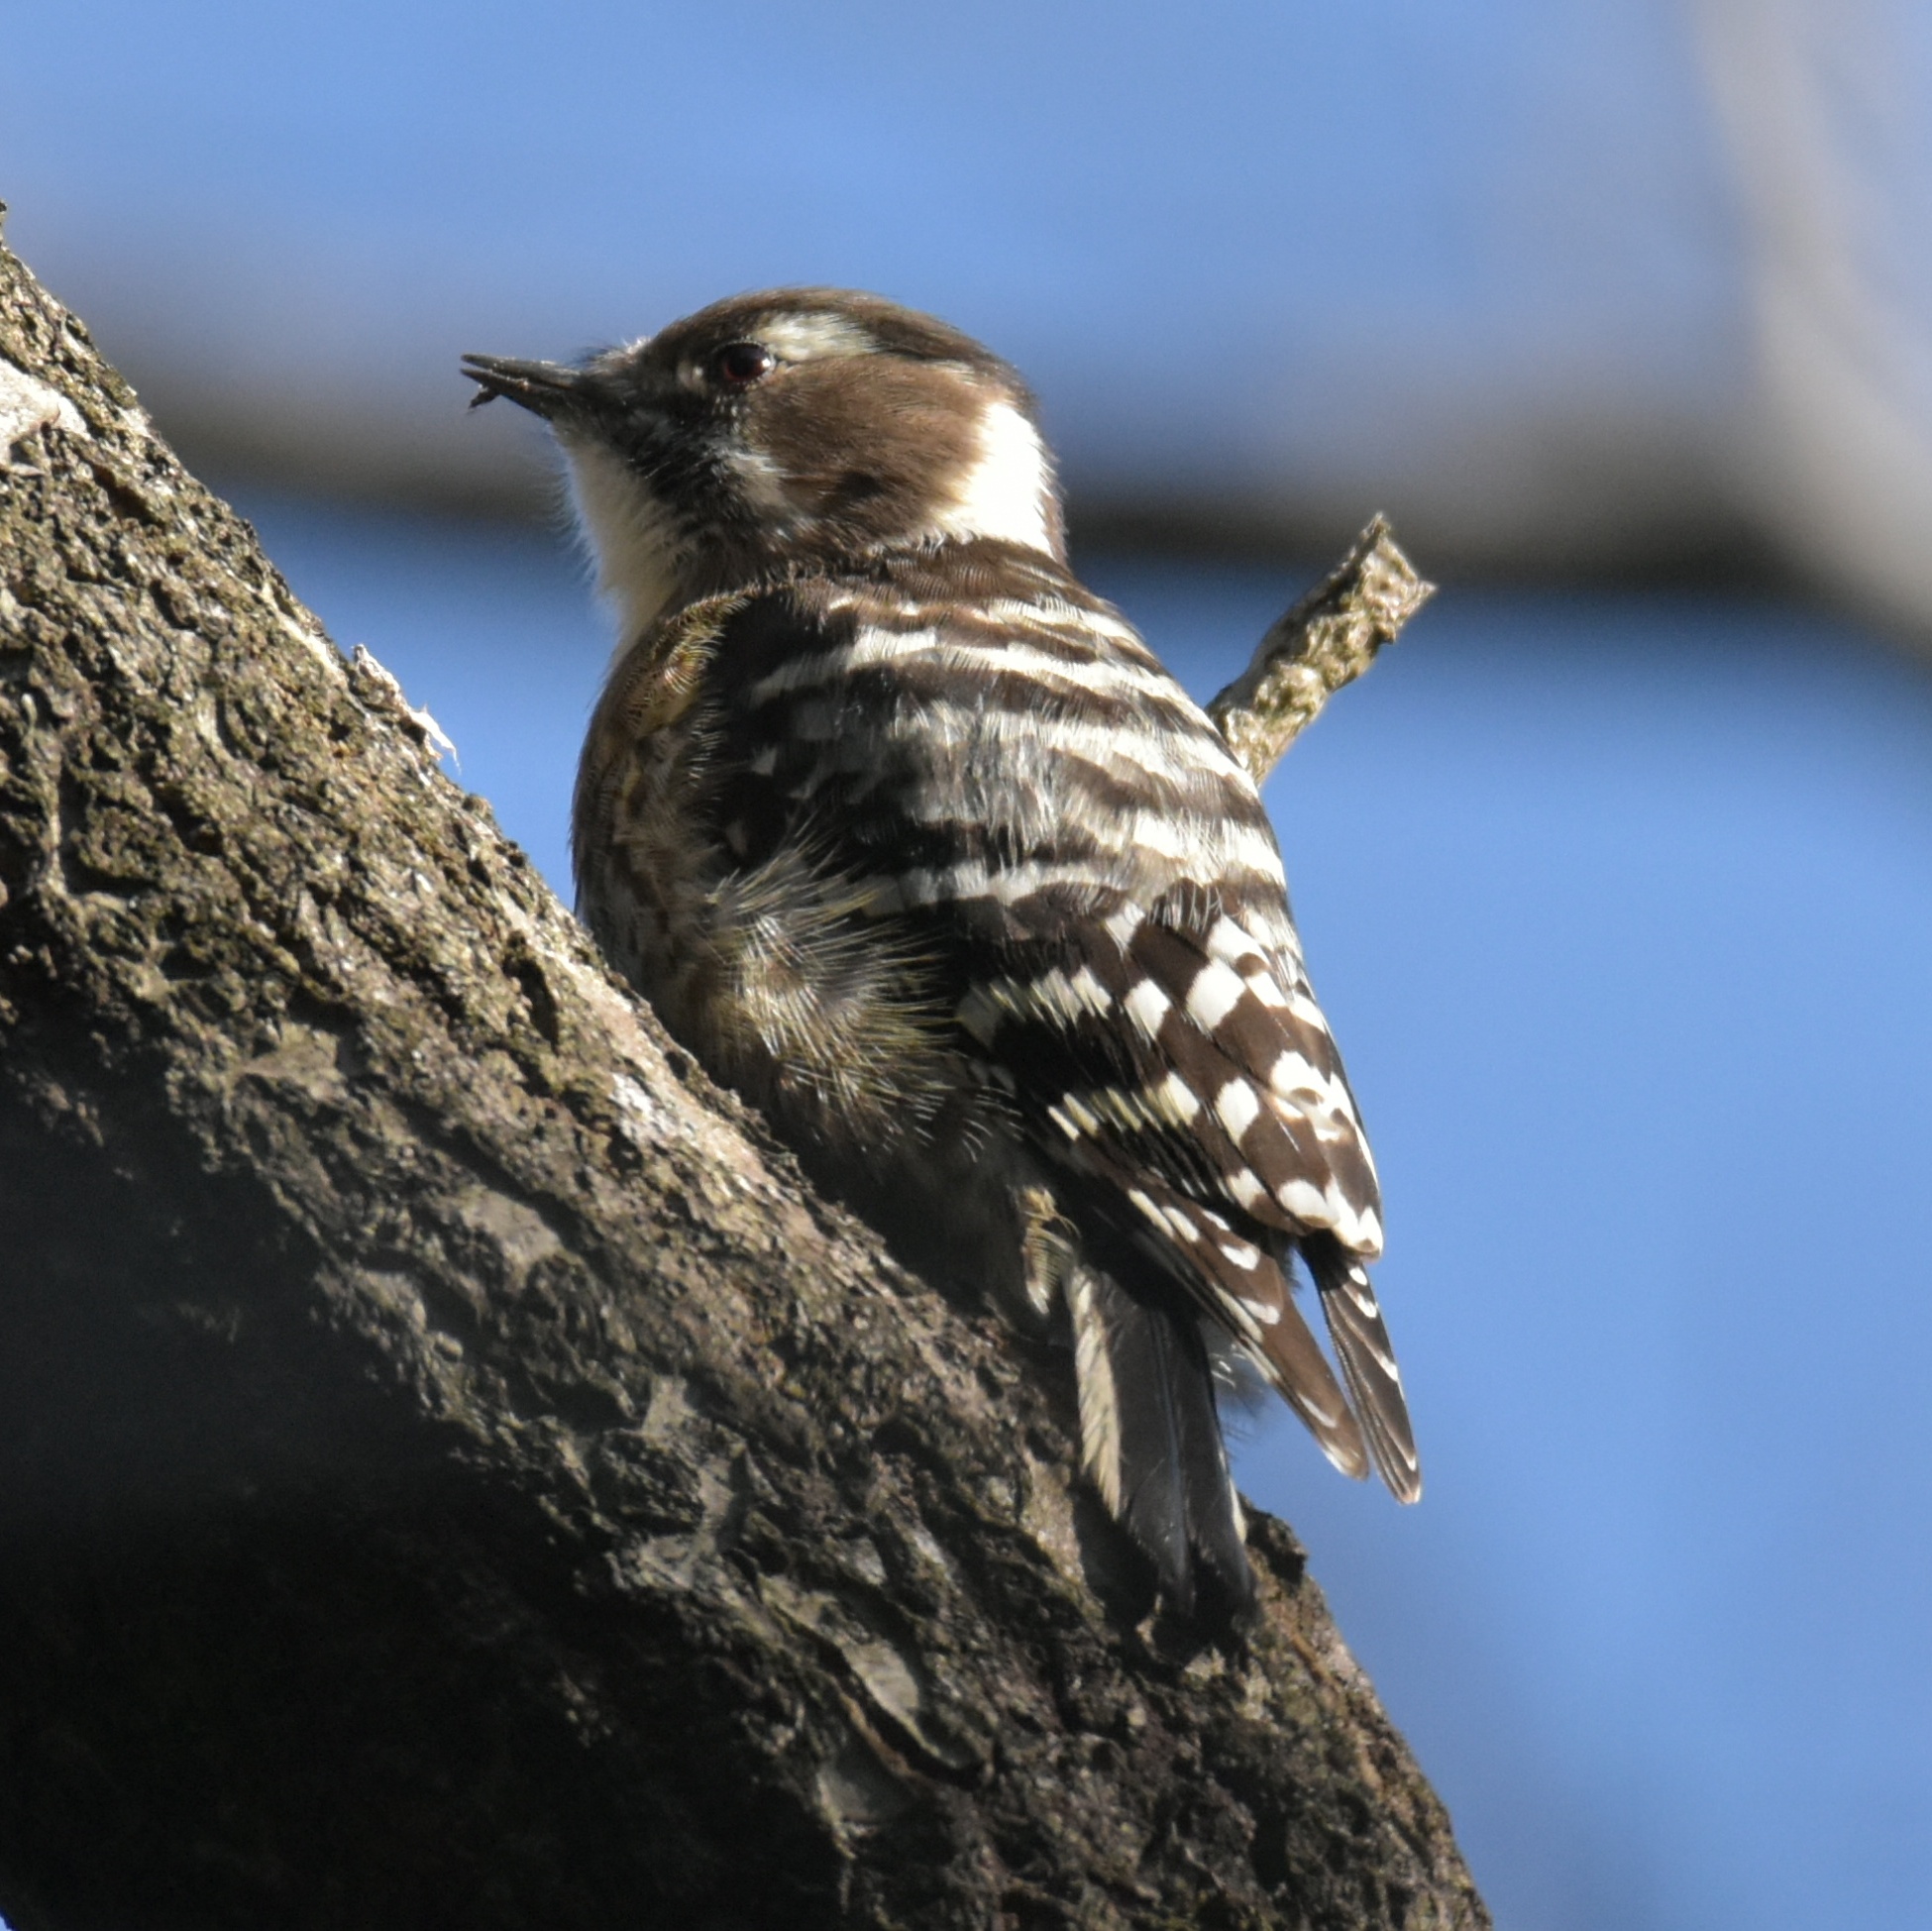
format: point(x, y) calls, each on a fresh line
point(1027, 892)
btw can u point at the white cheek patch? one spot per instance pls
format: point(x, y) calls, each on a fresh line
point(1005, 494)
point(793, 337)
point(634, 539)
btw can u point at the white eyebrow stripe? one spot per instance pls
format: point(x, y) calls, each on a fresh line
point(813, 338)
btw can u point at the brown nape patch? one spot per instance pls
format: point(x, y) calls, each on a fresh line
point(875, 444)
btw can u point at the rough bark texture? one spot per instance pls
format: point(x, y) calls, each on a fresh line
point(451, 1471)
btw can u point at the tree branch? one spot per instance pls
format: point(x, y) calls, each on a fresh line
point(451, 1469)
point(1328, 638)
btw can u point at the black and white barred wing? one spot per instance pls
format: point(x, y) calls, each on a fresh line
point(1183, 1073)
point(1012, 772)
point(1149, 1002)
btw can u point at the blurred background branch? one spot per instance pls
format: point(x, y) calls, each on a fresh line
point(1610, 291)
point(1826, 110)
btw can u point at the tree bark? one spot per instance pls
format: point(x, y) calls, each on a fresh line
point(451, 1469)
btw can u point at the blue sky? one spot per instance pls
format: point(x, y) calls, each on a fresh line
point(1240, 249)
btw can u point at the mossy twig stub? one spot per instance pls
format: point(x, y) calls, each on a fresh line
point(1328, 638)
point(453, 1471)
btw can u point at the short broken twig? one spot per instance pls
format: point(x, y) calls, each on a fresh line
point(1328, 638)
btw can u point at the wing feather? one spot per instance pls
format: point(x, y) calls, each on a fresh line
point(1114, 941)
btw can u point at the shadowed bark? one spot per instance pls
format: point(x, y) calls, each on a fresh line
point(452, 1470)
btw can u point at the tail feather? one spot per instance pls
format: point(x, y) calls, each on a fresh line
point(1150, 1436)
point(1248, 1291)
point(1298, 1368)
point(1367, 1359)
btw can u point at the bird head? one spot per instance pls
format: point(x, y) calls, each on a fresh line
point(802, 429)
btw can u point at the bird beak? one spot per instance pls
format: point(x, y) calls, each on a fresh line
point(544, 387)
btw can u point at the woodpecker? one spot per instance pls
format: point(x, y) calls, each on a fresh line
point(911, 840)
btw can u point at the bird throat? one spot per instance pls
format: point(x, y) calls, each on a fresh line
point(640, 550)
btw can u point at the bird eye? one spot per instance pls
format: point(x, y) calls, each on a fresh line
point(740, 363)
